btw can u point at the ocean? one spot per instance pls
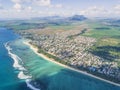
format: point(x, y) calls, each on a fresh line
point(22, 69)
point(8, 74)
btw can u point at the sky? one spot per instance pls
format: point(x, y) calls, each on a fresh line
point(38, 8)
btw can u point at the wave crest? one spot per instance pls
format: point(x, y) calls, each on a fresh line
point(16, 65)
point(15, 58)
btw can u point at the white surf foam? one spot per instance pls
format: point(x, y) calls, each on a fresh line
point(31, 86)
point(21, 75)
point(16, 65)
point(27, 78)
point(15, 58)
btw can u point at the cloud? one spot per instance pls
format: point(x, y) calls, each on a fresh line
point(58, 5)
point(17, 1)
point(20, 5)
point(1, 6)
point(42, 2)
point(22, 1)
point(36, 2)
point(46, 3)
point(117, 7)
point(102, 11)
point(95, 11)
point(17, 7)
point(29, 8)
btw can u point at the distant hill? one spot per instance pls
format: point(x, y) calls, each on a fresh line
point(41, 22)
point(72, 18)
point(113, 22)
point(60, 20)
point(117, 21)
point(48, 18)
point(78, 18)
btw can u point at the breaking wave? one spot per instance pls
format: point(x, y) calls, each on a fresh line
point(18, 66)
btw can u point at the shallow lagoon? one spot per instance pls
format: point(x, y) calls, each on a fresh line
point(49, 75)
point(54, 77)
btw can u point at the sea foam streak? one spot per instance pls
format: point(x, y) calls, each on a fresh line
point(21, 75)
point(15, 58)
point(16, 65)
point(30, 86)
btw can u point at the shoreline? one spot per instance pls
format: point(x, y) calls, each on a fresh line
point(35, 49)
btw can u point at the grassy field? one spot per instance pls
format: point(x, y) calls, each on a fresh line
point(108, 41)
point(108, 37)
point(22, 25)
point(98, 30)
point(40, 24)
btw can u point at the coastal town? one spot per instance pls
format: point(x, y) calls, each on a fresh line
point(60, 44)
point(71, 48)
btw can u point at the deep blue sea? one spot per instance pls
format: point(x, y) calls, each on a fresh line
point(8, 74)
point(19, 65)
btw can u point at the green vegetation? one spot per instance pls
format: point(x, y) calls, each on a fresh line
point(21, 25)
point(48, 55)
point(107, 52)
point(82, 32)
point(52, 57)
point(107, 45)
point(98, 30)
point(54, 22)
point(32, 24)
point(107, 48)
point(108, 41)
point(108, 37)
point(62, 27)
point(102, 28)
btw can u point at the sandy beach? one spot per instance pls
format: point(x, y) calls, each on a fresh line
point(35, 49)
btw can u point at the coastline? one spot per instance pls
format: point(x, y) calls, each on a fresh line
point(35, 49)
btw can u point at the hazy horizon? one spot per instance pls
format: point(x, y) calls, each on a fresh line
point(39, 8)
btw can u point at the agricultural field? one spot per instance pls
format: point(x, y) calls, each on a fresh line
point(108, 41)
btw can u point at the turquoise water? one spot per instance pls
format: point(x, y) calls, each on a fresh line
point(8, 75)
point(54, 77)
point(47, 75)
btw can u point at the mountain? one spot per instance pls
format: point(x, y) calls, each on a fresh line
point(77, 18)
